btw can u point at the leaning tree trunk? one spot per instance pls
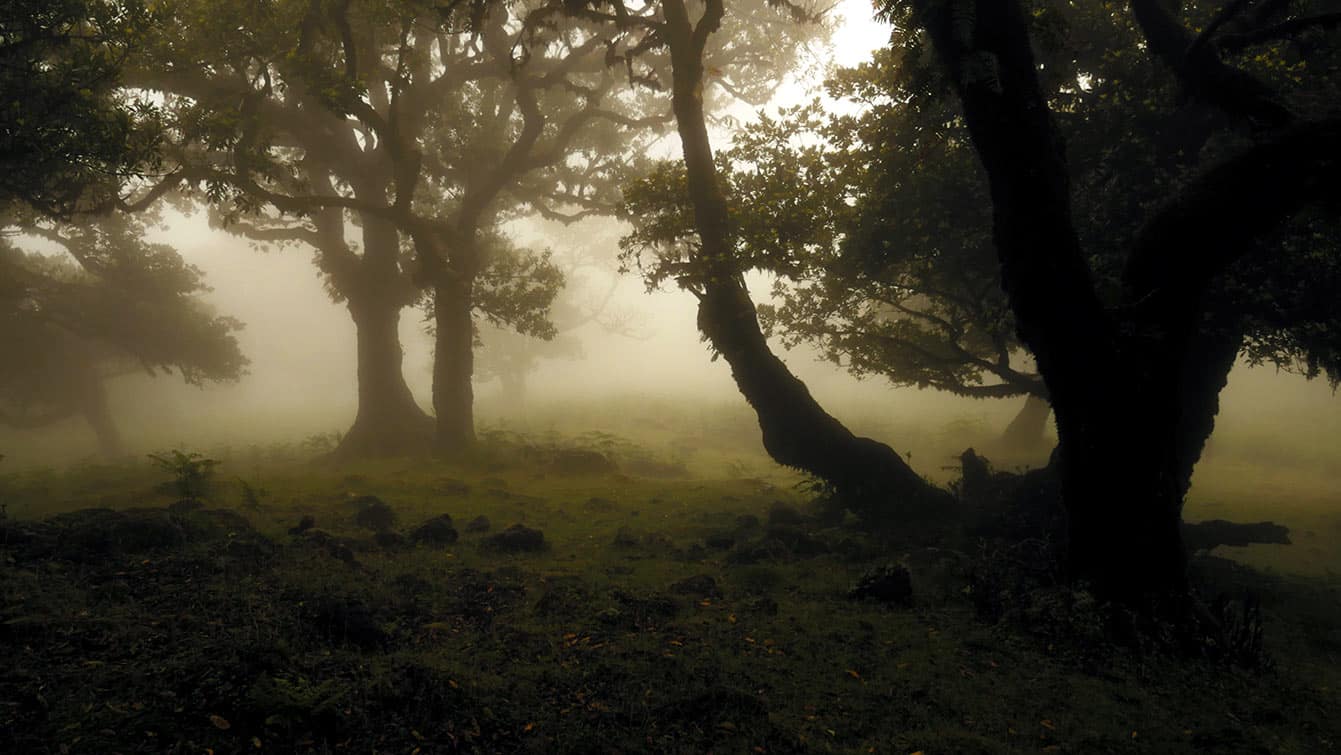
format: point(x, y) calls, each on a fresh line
point(93, 406)
point(797, 432)
point(1027, 432)
point(389, 421)
point(454, 362)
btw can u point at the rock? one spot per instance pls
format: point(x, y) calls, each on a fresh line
point(346, 620)
point(937, 573)
point(515, 539)
point(890, 584)
point(721, 541)
point(373, 513)
point(564, 596)
point(781, 513)
point(92, 534)
point(625, 538)
point(797, 541)
point(699, 585)
point(580, 461)
point(747, 523)
point(307, 523)
point(479, 524)
point(391, 541)
point(437, 532)
point(186, 506)
point(213, 523)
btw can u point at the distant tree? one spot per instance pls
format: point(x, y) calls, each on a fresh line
point(1135, 345)
point(106, 304)
point(70, 138)
point(454, 116)
point(584, 253)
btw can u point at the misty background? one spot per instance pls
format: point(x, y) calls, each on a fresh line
point(1275, 432)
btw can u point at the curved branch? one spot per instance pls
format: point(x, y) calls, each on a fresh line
point(1204, 229)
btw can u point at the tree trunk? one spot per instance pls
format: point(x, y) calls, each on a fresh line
point(1026, 432)
point(93, 405)
point(454, 362)
point(389, 421)
point(797, 432)
point(1120, 486)
point(1205, 373)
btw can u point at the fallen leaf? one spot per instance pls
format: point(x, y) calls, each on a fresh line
point(220, 722)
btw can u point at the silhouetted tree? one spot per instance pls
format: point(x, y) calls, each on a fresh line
point(107, 304)
point(1133, 374)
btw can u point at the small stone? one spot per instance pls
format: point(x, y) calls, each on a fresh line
point(436, 532)
point(625, 538)
point(890, 584)
point(391, 541)
point(516, 539)
point(373, 513)
point(186, 506)
point(307, 523)
point(720, 541)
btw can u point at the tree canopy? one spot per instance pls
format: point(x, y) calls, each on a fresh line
point(104, 303)
point(70, 136)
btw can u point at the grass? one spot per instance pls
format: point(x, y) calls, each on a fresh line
point(234, 636)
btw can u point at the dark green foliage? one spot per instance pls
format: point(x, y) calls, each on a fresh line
point(69, 139)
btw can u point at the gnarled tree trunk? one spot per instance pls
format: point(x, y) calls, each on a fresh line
point(93, 406)
point(389, 421)
point(797, 431)
point(454, 362)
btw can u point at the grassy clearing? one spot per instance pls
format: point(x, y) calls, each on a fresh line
point(200, 630)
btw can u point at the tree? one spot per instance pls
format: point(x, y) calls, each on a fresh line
point(1133, 374)
point(69, 137)
point(796, 430)
point(108, 304)
point(583, 253)
point(434, 122)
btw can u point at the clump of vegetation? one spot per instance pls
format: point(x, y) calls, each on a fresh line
point(191, 471)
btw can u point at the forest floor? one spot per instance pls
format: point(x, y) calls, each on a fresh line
point(665, 611)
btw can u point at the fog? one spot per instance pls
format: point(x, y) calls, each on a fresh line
point(676, 377)
point(301, 380)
